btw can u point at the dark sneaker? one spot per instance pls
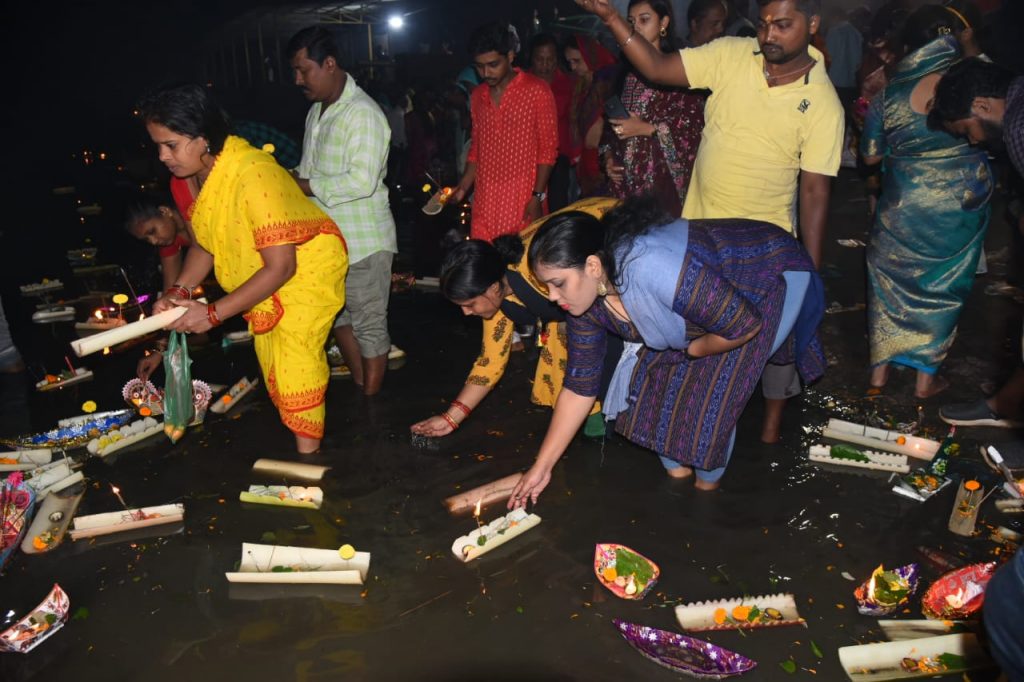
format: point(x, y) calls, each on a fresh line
point(975, 413)
point(1012, 453)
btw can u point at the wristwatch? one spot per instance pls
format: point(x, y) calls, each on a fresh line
point(540, 196)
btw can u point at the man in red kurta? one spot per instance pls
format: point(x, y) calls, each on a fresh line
point(515, 139)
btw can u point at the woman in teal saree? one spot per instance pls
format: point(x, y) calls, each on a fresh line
point(930, 225)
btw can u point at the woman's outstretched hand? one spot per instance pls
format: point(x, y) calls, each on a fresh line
point(602, 8)
point(530, 486)
point(432, 426)
point(147, 364)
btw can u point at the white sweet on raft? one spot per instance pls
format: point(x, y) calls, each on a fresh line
point(136, 428)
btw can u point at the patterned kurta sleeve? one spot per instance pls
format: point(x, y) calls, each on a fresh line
point(872, 139)
point(588, 340)
point(546, 127)
point(490, 365)
point(276, 209)
point(707, 300)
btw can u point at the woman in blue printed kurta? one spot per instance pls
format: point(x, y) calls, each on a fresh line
point(706, 303)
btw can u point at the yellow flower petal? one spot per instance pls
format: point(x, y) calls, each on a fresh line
point(346, 552)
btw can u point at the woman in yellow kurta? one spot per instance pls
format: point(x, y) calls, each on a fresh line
point(279, 257)
point(493, 281)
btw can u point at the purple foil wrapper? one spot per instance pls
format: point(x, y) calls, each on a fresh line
point(682, 654)
point(868, 607)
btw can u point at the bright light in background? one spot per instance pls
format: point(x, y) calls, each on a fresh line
point(396, 21)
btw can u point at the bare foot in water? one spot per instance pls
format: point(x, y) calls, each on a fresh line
point(706, 485)
point(929, 385)
point(679, 472)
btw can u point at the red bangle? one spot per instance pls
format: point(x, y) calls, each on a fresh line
point(458, 404)
point(211, 314)
point(451, 422)
point(180, 290)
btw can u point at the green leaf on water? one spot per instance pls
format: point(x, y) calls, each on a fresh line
point(789, 665)
point(816, 650)
point(81, 613)
point(519, 610)
point(268, 538)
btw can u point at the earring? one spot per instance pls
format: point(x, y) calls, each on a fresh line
point(602, 290)
point(663, 32)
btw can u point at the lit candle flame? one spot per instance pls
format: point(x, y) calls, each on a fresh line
point(106, 351)
point(98, 314)
point(142, 316)
point(476, 510)
point(870, 597)
point(117, 493)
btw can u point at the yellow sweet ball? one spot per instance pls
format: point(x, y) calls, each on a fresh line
point(426, 188)
point(89, 406)
point(346, 552)
point(120, 299)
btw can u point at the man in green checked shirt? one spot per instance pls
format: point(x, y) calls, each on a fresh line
point(344, 161)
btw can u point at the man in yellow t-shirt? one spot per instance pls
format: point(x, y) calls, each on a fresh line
point(759, 139)
point(772, 137)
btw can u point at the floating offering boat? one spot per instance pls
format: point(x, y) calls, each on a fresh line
point(17, 500)
point(276, 468)
point(437, 201)
point(234, 394)
point(881, 439)
point(124, 436)
point(625, 572)
point(57, 313)
point(25, 460)
point(66, 378)
point(489, 493)
point(913, 658)
point(146, 398)
point(885, 591)
point(284, 495)
point(300, 565)
point(920, 484)
point(959, 594)
point(739, 614)
point(844, 455)
point(683, 654)
point(73, 432)
point(51, 522)
point(36, 627)
point(129, 519)
point(493, 535)
point(915, 629)
point(52, 477)
point(47, 286)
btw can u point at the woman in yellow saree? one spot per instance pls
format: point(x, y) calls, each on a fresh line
point(279, 257)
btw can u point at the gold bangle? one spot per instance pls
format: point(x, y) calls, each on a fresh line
point(629, 38)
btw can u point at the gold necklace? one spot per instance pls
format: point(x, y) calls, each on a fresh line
point(803, 68)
